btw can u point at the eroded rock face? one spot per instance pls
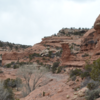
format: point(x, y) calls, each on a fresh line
point(97, 25)
point(89, 40)
point(12, 56)
point(66, 52)
point(92, 37)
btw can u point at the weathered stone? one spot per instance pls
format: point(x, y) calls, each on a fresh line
point(66, 52)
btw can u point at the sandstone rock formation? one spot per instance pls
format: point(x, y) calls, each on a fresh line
point(12, 56)
point(71, 31)
point(66, 52)
point(92, 37)
point(97, 25)
point(88, 42)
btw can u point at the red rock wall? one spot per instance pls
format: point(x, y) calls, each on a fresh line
point(66, 52)
point(14, 56)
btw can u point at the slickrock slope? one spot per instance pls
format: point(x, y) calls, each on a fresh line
point(57, 90)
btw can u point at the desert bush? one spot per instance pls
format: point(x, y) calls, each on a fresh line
point(85, 74)
point(85, 82)
point(18, 83)
point(54, 67)
point(50, 53)
point(73, 78)
point(33, 74)
point(21, 63)
point(30, 57)
point(41, 63)
point(8, 65)
point(12, 62)
point(59, 69)
point(92, 94)
point(75, 72)
point(5, 93)
point(93, 84)
point(85, 55)
point(37, 61)
point(15, 66)
point(95, 72)
point(43, 93)
point(10, 83)
point(43, 58)
point(87, 70)
point(71, 47)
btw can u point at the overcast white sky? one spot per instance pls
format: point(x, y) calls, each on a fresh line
point(27, 21)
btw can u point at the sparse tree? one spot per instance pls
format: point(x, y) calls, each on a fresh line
point(18, 83)
point(5, 93)
point(32, 77)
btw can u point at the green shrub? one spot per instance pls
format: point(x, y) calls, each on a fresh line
point(50, 53)
point(75, 72)
point(18, 83)
point(41, 63)
point(6, 82)
point(93, 69)
point(71, 47)
point(10, 83)
point(30, 57)
point(92, 94)
point(85, 74)
point(95, 72)
point(91, 86)
point(59, 69)
point(43, 58)
point(21, 63)
point(8, 65)
point(73, 78)
point(54, 67)
point(43, 93)
point(37, 61)
point(12, 62)
point(5, 93)
point(15, 66)
point(85, 55)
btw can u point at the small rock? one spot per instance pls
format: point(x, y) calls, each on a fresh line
point(74, 98)
point(60, 90)
point(75, 93)
point(67, 96)
point(80, 94)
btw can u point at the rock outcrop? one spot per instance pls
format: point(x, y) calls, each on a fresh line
point(12, 56)
point(71, 31)
point(88, 42)
point(97, 25)
point(91, 39)
point(66, 52)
